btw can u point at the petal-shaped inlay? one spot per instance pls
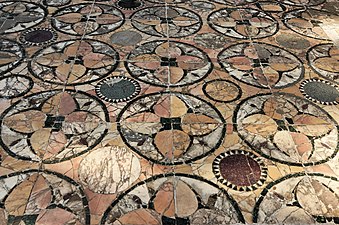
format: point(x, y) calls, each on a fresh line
point(317, 199)
point(278, 108)
point(260, 124)
point(97, 60)
point(93, 10)
point(184, 194)
point(311, 125)
point(334, 52)
point(172, 199)
point(75, 62)
point(259, 64)
point(198, 124)
point(147, 61)
point(18, 199)
point(57, 142)
point(140, 217)
point(40, 197)
point(280, 63)
point(296, 145)
point(56, 216)
point(27, 121)
point(62, 72)
point(172, 143)
point(60, 104)
point(107, 19)
point(76, 73)
point(240, 62)
point(144, 128)
point(298, 131)
point(188, 62)
point(168, 50)
point(40, 141)
point(52, 59)
point(7, 58)
point(178, 107)
point(170, 63)
point(73, 48)
point(175, 74)
point(300, 22)
point(269, 76)
point(144, 117)
point(170, 106)
point(251, 52)
point(70, 17)
point(290, 215)
point(144, 123)
point(164, 200)
point(85, 27)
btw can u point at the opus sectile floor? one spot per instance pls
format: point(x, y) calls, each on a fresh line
point(169, 112)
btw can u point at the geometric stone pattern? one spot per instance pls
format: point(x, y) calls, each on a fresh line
point(163, 112)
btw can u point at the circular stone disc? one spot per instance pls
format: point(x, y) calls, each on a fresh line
point(320, 91)
point(118, 89)
point(221, 90)
point(126, 38)
point(240, 170)
point(38, 36)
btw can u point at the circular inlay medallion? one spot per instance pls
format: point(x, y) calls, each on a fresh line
point(324, 60)
point(87, 19)
point(171, 128)
point(117, 89)
point(53, 126)
point(261, 65)
point(38, 36)
point(243, 23)
point(16, 16)
point(11, 55)
point(173, 199)
point(48, 197)
point(220, 90)
point(320, 91)
point(166, 21)
point(308, 22)
point(126, 38)
point(240, 170)
point(168, 64)
point(287, 129)
point(74, 62)
point(299, 198)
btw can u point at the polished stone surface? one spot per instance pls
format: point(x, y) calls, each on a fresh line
point(169, 112)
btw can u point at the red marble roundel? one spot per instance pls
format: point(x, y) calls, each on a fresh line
point(240, 170)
